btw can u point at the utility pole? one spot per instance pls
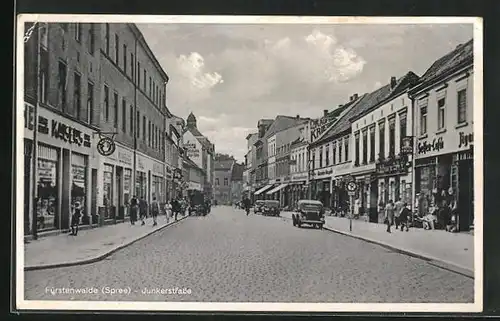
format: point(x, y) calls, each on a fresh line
point(34, 147)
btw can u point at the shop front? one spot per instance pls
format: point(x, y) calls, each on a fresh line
point(150, 178)
point(64, 154)
point(169, 183)
point(365, 198)
point(321, 186)
point(340, 198)
point(298, 187)
point(444, 175)
point(117, 183)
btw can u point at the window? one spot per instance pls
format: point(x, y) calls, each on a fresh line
point(132, 65)
point(217, 181)
point(91, 36)
point(346, 145)
point(327, 155)
point(117, 49)
point(44, 74)
point(138, 74)
point(115, 105)
point(356, 149)
point(313, 160)
point(124, 115)
point(226, 181)
point(423, 120)
point(77, 101)
point(381, 140)
point(320, 156)
point(131, 120)
point(365, 146)
point(462, 106)
point(106, 39)
point(78, 32)
point(340, 151)
point(441, 113)
point(145, 79)
point(106, 103)
point(334, 153)
point(138, 124)
point(125, 58)
point(392, 137)
point(62, 85)
point(144, 128)
point(90, 102)
point(149, 133)
point(402, 126)
point(150, 88)
point(372, 144)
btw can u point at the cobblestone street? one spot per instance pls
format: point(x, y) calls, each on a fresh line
point(230, 257)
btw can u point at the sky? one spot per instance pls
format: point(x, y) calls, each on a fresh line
point(230, 76)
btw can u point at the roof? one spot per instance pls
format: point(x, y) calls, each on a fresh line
point(237, 174)
point(366, 102)
point(281, 123)
point(460, 56)
point(249, 136)
point(224, 164)
point(298, 142)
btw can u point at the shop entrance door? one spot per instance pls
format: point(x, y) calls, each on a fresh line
point(93, 200)
point(465, 195)
point(119, 185)
point(373, 210)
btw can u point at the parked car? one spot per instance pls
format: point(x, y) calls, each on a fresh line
point(309, 212)
point(271, 208)
point(258, 206)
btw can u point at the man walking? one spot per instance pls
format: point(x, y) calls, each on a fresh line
point(389, 215)
point(133, 210)
point(143, 210)
point(397, 211)
point(155, 210)
point(404, 217)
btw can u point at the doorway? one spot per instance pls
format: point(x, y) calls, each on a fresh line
point(119, 188)
point(465, 194)
point(93, 197)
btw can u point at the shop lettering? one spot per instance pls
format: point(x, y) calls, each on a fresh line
point(436, 145)
point(320, 126)
point(124, 158)
point(29, 120)
point(465, 139)
point(390, 168)
point(69, 134)
point(299, 177)
point(325, 172)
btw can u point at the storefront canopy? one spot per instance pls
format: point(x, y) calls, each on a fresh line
point(277, 188)
point(263, 189)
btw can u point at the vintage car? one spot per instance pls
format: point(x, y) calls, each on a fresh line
point(271, 208)
point(309, 212)
point(258, 206)
point(197, 204)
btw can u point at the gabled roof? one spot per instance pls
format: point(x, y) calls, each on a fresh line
point(461, 56)
point(281, 123)
point(237, 174)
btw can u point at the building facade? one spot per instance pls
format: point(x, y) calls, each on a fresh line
point(444, 137)
point(250, 165)
point(223, 173)
point(261, 155)
point(89, 88)
point(237, 182)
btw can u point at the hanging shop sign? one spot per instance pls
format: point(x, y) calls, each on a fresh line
point(106, 146)
point(407, 145)
point(392, 167)
point(56, 127)
point(430, 146)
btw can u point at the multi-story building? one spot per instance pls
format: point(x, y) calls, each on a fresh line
point(176, 188)
point(99, 80)
point(173, 145)
point(223, 172)
point(261, 172)
point(443, 149)
point(201, 151)
point(194, 177)
point(327, 150)
point(282, 142)
point(299, 164)
point(237, 182)
point(250, 165)
point(383, 173)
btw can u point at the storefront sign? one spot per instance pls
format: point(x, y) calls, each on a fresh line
point(299, 177)
point(125, 157)
point(324, 172)
point(319, 126)
point(435, 146)
point(391, 167)
point(407, 145)
point(465, 139)
point(59, 129)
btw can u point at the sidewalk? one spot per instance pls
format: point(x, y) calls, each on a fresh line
point(89, 246)
point(453, 251)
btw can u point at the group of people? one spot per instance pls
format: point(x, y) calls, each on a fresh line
point(140, 206)
point(397, 214)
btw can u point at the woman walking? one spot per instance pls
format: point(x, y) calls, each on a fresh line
point(133, 210)
point(389, 215)
point(75, 218)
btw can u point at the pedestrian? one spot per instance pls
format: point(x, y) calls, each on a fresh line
point(389, 215)
point(168, 210)
point(155, 210)
point(175, 208)
point(143, 210)
point(397, 211)
point(357, 206)
point(75, 218)
point(404, 217)
point(133, 210)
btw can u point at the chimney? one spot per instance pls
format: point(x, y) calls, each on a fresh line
point(393, 82)
point(350, 98)
point(325, 112)
point(340, 106)
point(355, 96)
point(298, 116)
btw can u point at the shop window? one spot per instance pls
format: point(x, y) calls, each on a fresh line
point(106, 103)
point(441, 113)
point(77, 94)
point(462, 106)
point(108, 191)
point(47, 188)
point(62, 85)
point(140, 184)
point(356, 149)
point(79, 181)
point(127, 182)
point(423, 120)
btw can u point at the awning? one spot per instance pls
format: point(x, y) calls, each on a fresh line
point(277, 188)
point(262, 189)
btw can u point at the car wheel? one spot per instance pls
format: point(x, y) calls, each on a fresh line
point(320, 226)
point(293, 220)
point(299, 224)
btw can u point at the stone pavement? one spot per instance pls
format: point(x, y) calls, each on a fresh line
point(89, 246)
point(454, 251)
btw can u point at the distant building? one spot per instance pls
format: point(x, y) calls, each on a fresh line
point(237, 182)
point(223, 174)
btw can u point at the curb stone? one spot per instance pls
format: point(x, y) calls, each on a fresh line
point(100, 256)
point(429, 259)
